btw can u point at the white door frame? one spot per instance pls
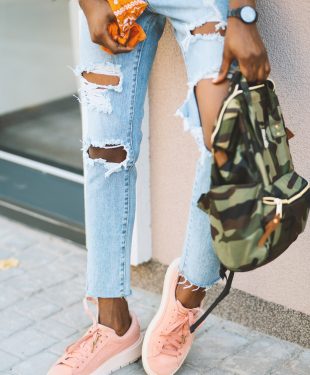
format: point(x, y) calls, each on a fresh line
point(142, 234)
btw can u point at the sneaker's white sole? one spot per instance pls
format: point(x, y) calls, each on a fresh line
point(120, 360)
point(158, 315)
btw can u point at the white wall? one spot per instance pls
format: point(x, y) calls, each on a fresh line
point(35, 49)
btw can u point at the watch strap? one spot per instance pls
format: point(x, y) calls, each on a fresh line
point(236, 12)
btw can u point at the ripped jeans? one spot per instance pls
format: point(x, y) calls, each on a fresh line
point(113, 116)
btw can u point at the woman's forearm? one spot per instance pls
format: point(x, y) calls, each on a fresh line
point(244, 44)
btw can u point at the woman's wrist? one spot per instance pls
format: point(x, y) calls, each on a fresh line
point(240, 3)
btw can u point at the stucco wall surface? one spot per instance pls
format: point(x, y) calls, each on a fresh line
point(285, 29)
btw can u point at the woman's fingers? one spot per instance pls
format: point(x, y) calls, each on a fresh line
point(112, 45)
point(105, 39)
point(227, 60)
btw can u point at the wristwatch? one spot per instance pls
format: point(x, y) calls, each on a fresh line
point(247, 14)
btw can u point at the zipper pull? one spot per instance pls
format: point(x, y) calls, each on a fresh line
point(269, 229)
point(264, 135)
point(279, 209)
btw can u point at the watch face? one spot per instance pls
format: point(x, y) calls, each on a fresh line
point(248, 14)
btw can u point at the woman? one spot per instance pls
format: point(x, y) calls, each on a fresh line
point(113, 87)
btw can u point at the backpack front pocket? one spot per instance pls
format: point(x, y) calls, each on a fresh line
point(236, 223)
point(288, 197)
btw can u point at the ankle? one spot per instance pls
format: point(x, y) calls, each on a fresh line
point(191, 296)
point(114, 313)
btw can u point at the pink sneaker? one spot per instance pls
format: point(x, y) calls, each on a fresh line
point(100, 351)
point(168, 340)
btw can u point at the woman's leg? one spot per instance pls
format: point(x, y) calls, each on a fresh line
point(199, 265)
point(112, 92)
point(199, 27)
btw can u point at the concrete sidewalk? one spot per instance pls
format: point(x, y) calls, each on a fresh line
point(41, 313)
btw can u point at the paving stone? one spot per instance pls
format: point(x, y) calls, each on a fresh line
point(188, 370)
point(26, 343)
point(49, 275)
point(60, 346)
point(303, 361)
point(36, 308)
point(144, 314)
point(11, 322)
point(10, 273)
point(287, 371)
point(239, 329)
point(8, 295)
point(6, 227)
point(65, 294)
point(56, 246)
point(7, 361)
point(56, 329)
point(134, 369)
point(5, 253)
point(28, 232)
point(218, 371)
point(76, 261)
point(149, 299)
point(210, 349)
point(300, 365)
point(34, 256)
point(36, 365)
point(73, 316)
point(18, 241)
point(25, 283)
point(265, 351)
point(211, 321)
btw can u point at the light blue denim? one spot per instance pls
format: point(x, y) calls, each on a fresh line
point(112, 118)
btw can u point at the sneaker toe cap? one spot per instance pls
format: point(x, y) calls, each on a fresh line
point(162, 365)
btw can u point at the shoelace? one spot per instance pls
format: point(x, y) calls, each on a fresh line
point(77, 353)
point(175, 336)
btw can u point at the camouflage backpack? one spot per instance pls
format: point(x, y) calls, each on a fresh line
point(258, 204)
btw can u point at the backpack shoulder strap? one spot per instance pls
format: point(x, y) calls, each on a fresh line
point(223, 294)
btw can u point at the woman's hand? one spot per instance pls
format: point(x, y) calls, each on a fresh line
point(99, 15)
point(243, 43)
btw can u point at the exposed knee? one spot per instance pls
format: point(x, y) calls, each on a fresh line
point(208, 113)
point(210, 28)
point(110, 153)
point(101, 79)
point(209, 97)
point(98, 83)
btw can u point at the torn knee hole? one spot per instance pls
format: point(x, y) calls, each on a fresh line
point(101, 79)
point(210, 28)
point(98, 84)
point(112, 153)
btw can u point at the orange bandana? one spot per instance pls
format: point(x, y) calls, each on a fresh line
point(125, 30)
